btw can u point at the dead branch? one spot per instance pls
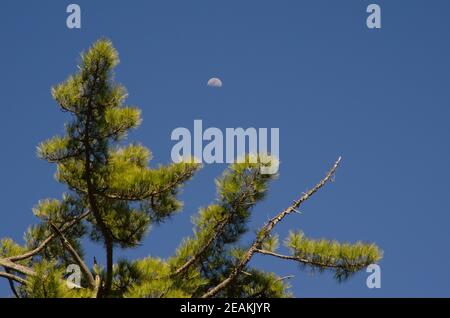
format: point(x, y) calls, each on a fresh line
point(77, 258)
point(12, 277)
point(266, 230)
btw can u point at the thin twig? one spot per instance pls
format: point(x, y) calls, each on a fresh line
point(284, 278)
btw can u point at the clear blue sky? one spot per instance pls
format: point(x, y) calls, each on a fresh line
point(381, 99)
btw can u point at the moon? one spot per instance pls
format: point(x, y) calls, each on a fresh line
point(215, 82)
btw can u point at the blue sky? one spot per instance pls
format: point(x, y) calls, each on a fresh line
point(378, 98)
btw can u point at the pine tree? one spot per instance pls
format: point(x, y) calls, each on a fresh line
point(114, 196)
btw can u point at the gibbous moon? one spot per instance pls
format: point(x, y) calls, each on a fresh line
point(215, 82)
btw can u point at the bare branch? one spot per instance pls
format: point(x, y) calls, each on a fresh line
point(12, 277)
point(97, 285)
point(299, 259)
point(16, 267)
point(11, 284)
point(266, 230)
point(284, 278)
point(75, 255)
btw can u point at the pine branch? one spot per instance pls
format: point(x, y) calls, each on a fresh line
point(55, 159)
point(204, 249)
point(219, 228)
point(44, 243)
point(265, 232)
point(152, 193)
